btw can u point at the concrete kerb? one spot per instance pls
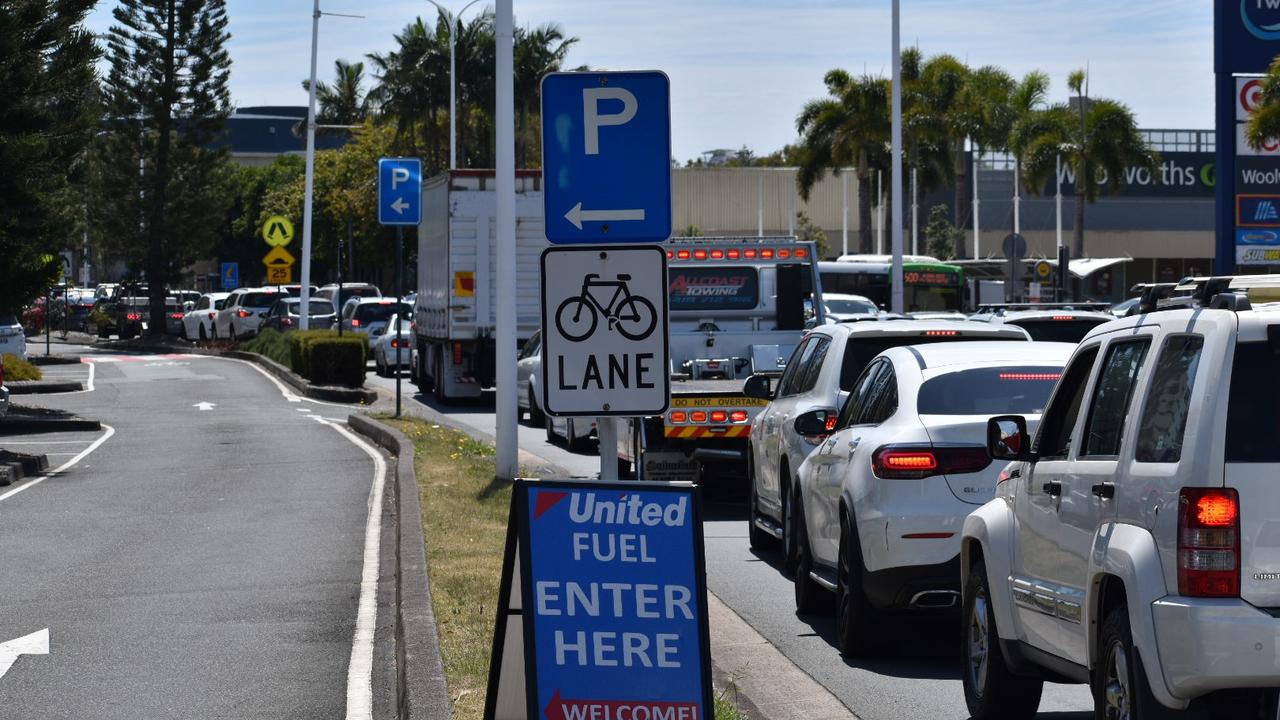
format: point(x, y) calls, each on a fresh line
point(422, 692)
point(329, 393)
point(39, 387)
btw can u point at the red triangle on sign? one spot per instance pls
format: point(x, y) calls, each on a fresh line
point(546, 500)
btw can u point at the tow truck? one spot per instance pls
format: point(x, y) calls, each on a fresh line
point(738, 307)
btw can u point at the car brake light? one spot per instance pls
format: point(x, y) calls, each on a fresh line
point(733, 254)
point(941, 333)
point(801, 253)
point(683, 255)
point(1029, 376)
point(355, 322)
point(175, 316)
point(907, 462)
point(670, 255)
point(719, 416)
point(242, 313)
point(1063, 317)
point(1209, 542)
point(134, 316)
point(784, 254)
point(738, 416)
point(717, 254)
point(213, 315)
point(749, 254)
point(698, 416)
point(457, 353)
point(679, 416)
point(831, 422)
point(699, 254)
point(766, 254)
point(396, 344)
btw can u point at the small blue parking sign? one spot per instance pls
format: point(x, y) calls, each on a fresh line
point(606, 157)
point(399, 191)
point(230, 275)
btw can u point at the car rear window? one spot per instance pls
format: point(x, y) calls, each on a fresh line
point(1017, 389)
point(358, 291)
point(1068, 331)
point(260, 299)
point(219, 304)
point(8, 319)
point(1253, 425)
point(318, 307)
point(860, 351)
point(713, 288)
point(377, 312)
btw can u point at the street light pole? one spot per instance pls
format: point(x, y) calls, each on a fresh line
point(507, 414)
point(305, 315)
point(453, 81)
point(895, 177)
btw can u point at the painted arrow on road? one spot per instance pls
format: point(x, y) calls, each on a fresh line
point(577, 215)
point(399, 206)
point(205, 405)
point(37, 643)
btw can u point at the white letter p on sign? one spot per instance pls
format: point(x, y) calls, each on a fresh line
point(593, 120)
point(399, 175)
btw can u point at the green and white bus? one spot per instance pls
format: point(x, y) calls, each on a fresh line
point(929, 285)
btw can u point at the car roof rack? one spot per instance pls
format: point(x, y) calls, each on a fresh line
point(1221, 292)
point(733, 240)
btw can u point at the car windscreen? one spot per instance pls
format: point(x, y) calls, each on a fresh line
point(260, 299)
point(357, 291)
point(377, 312)
point(1253, 426)
point(1068, 331)
point(1016, 389)
point(713, 288)
point(860, 351)
point(850, 307)
point(318, 307)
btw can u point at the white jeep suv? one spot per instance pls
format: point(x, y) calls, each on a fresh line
point(1135, 544)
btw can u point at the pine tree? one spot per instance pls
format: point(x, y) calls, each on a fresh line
point(46, 118)
point(162, 186)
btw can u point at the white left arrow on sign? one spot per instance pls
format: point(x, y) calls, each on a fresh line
point(37, 643)
point(205, 405)
point(399, 206)
point(577, 215)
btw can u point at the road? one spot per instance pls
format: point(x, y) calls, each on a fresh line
point(919, 678)
point(194, 563)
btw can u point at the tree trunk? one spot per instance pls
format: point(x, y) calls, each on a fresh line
point(864, 205)
point(157, 267)
point(1077, 230)
point(962, 199)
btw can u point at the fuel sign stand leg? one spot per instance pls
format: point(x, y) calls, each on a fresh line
point(607, 430)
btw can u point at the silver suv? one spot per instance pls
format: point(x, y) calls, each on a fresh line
point(1135, 544)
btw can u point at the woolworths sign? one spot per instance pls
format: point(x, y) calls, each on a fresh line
point(1180, 174)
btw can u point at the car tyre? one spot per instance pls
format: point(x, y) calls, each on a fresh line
point(203, 336)
point(575, 443)
point(536, 416)
point(790, 550)
point(858, 623)
point(991, 690)
point(758, 538)
point(1120, 688)
point(811, 598)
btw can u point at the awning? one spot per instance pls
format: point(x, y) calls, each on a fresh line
point(1080, 268)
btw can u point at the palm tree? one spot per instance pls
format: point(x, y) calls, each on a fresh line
point(413, 87)
point(1027, 102)
point(851, 126)
point(342, 103)
point(942, 81)
point(538, 51)
point(1264, 125)
point(1086, 133)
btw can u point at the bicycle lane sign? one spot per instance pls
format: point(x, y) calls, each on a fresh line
point(604, 331)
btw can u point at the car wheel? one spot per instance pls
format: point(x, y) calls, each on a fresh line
point(857, 622)
point(790, 550)
point(757, 537)
point(991, 691)
point(377, 366)
point(1120, 689)
point(575, 443)
point(535, 413)
point(202, 333)
point(810, 597)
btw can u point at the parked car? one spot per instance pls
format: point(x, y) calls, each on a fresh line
point(177, 304)
point(197, 323)
point(285, 313)
point(528, 368)
point(241, 315)
point(295, 290)
point(1124, 307)
point(349, 290)
point(370, 315)
point(12, 339)
point(1054, 324)
point(843, 307)
point(821, 374)
point(575, 432)
point(880, 502)
point(1134, 545)
point(391, 348)
point(4, 394)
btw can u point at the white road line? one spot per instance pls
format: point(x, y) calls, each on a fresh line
point(288, 394)
point(46, 442)
point(360, 669)
point(63, 467)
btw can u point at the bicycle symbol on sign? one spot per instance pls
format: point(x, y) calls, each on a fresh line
point(634, 317)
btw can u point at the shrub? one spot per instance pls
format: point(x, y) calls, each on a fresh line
point(299, 341)
point(16, 369)
point(336, 361)
point(272, 344)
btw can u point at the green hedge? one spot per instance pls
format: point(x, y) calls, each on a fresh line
point(272, 344)
point(299, 340)
point(336, 361)
point(17, 369)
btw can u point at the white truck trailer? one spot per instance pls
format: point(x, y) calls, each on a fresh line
point(455, 318)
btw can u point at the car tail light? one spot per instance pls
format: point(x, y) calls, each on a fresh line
point(457, 353)
point(1209, 542)
point(749, 254)
point(683, 255)
point(243, 313)
point(738, 416)
point(801, 253)
point(699, 254)
point(132, 317)
point(717, 254)
point(784, 254)
point(733, 254)
point(175, 316)
point(670, 255)
point(213, 315)
point(679, 416)
point(1063, 317)
point(719, 416)
point(912, 462)
point(941, 333)
point(397, 344)
point(1030, 376)
point(355, 322)
point(698, 416)
point(766, 254)
point(287, 322)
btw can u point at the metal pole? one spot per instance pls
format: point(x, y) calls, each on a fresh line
point(760, 206)
point(915, 217)
point(1017, 199)
point(844, 211)
point(791, 209)
point(453, 103)
point(895, 177)
point(505, 342)
point(339, 303)
point(977, 233)
point(399, 295)
point(1058, 198)
point(48, 321)
point(304, 316)
point(607, 430)
point(879, 212)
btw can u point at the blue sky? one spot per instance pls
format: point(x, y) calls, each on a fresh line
point(741, 69)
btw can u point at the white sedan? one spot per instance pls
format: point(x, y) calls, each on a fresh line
point(880, 503)
point(842, 307)
point(197, 323)
point(392, 346)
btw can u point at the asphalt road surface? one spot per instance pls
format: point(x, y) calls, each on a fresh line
point(203, 558)
point(918, 679)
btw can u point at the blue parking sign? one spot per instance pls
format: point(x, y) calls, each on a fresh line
point(230, 275)
point(606, 157)
point(399, 191)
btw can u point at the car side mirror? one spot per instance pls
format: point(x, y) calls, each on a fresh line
point(759, 387)
point(816, 423)
point(1007, 438)
point(188, 306)
point(264, 313)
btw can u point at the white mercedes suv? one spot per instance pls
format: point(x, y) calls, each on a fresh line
point(1135, 545)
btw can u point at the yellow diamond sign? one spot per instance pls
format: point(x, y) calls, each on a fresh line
point(277, 231)
point(278, 256)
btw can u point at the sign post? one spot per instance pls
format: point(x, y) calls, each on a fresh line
point(277, 232)
point(399, 204)
point(606, 147)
